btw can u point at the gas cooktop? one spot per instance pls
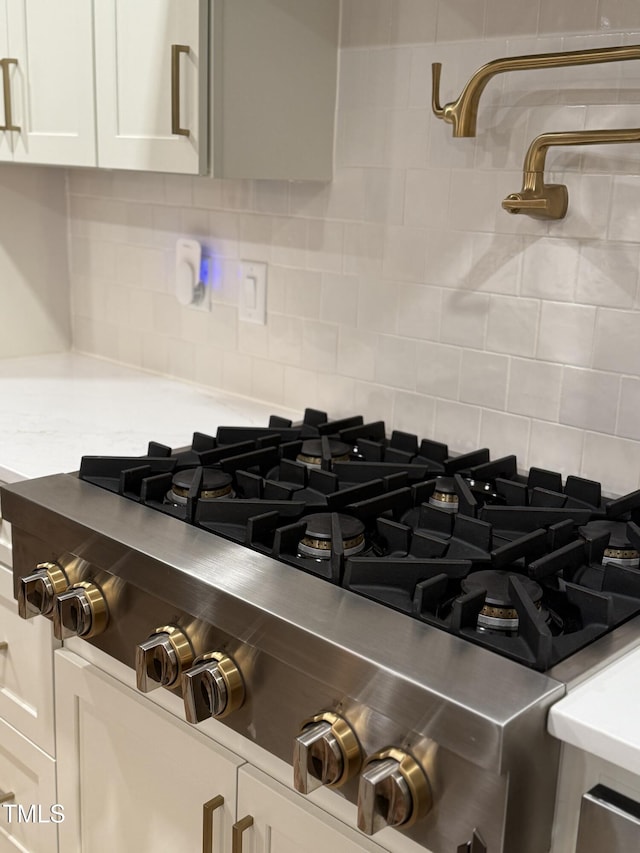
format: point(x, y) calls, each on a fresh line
point(526, 565)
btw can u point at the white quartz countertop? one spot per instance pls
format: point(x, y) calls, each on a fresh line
point(56, 408)
point(600, 716)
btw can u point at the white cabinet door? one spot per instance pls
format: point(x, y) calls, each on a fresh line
point(138, 122)
point(131, 777)
point(285, 822)
point(52, 93)
point(6, 152)
point(29, 774)
point(26, 670)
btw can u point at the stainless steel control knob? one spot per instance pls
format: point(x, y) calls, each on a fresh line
point(161, 660)
point(326, 752)
point(214, 687)
point(37, 592)
point(394, 791)
point(81, 611)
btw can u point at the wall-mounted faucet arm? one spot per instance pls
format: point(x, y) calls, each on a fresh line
point(463, 112)
point(550, 201)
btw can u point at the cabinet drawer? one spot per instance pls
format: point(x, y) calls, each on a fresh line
point(26, 670)
point(28, 773)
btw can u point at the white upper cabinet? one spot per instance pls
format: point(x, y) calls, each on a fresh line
point(46, 77)
point(151, 74)
point(228, 88)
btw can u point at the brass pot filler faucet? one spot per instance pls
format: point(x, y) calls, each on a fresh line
point(544, 201)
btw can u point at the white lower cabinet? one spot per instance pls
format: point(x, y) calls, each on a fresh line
point(284, 822)
point(26, 670)
point(131, 777)
point(134, 779)
point(28, 821)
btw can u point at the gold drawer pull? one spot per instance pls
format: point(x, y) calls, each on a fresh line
point(238, 829)
point(3, 646)
point(207, 822)
point(6, 84)
point(176, 50)
point(7, 796)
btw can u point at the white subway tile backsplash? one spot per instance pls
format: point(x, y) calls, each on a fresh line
point(589, 399)
point(566, 333)
point(617, 343)
point(377, 305)
point(513, 325)
point(464, 318)
point(438, 370)
point(319, 346)
point(550, 269)
point(267, 381)
point(303, 293)
point(404, 253)
point(483, 379)
point(357, 353)
point(556, 447)
point(285, 339)
point(457, 425)
point(608, 274)
point(613, 461)
point(624, 224)
point(418, 311)
point(414, 413)
point(505, 434)
point(236, 373)
point(534, 389)
point(401, 289)
point(339, 299)
point(426, 197)
point(396, 362)
point(629, 409)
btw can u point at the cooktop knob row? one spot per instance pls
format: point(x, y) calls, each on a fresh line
point(212, 688)
point(80, 611)
point(326, 752)
point(37, 592)
point(162, 658)
point(394, 791)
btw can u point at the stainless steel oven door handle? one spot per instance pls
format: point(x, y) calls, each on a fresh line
point(162, 658)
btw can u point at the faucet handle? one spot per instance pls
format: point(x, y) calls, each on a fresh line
point(548, 202)
point(436, 72)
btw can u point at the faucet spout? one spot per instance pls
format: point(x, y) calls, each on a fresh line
point(550, 201)
point(463, 112)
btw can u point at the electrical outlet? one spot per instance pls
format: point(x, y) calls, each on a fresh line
point(192, 276)
point(252, 301)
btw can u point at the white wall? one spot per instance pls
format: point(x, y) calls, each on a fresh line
point(402, 290)
point(34, 289)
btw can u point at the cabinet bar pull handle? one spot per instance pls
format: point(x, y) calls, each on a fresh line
point(207, 822)
point(6, 85)
point(237, 830)
point(6, 796)
point(176, 50)
point(3, 645)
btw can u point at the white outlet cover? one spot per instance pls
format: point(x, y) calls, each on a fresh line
point(252, 299)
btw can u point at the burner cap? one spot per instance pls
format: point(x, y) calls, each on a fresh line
point(444, 495)
point(311, 451)
point(498, 612)
point(316, 541)
point(619, 550)
point(215, 484)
